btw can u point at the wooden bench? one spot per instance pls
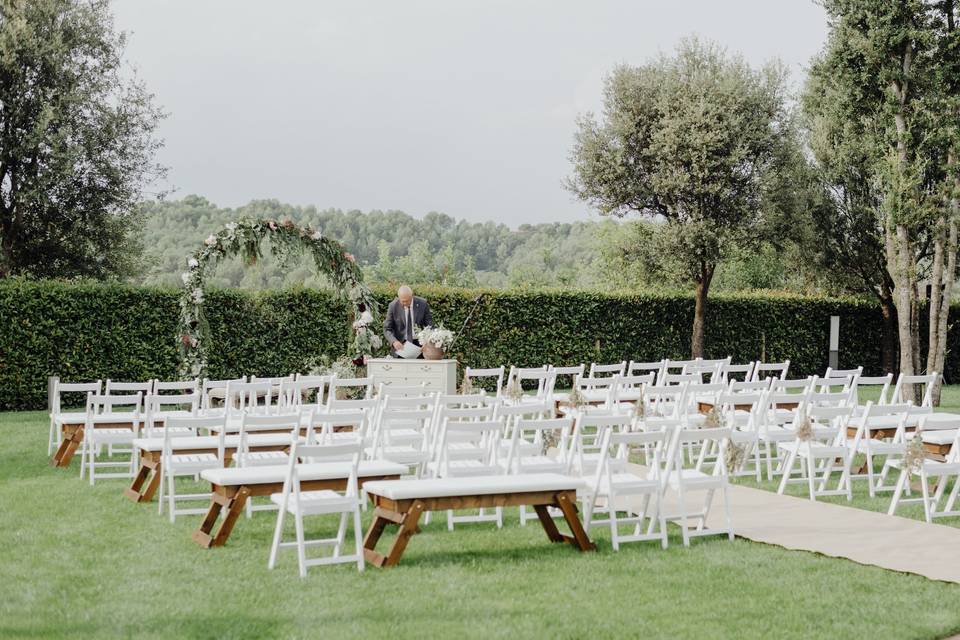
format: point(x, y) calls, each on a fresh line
point(400, 503)
point(150, 474)
point(232, 486)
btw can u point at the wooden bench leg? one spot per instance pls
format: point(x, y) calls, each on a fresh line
point(68, 447)
point(408, 527)
point(548, 524)
point(380, 522)
point(204, 535)
point(233, 512)
point(569, 509)
point(135, 491)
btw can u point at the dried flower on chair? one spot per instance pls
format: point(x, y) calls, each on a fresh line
point(915, 454)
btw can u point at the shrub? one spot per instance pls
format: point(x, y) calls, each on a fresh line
point(90, 331)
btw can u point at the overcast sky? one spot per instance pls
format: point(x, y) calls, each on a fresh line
point(462, 107)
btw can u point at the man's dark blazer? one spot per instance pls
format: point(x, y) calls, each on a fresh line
point(394, 324)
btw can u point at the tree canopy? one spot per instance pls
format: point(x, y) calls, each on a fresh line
point(77, 141)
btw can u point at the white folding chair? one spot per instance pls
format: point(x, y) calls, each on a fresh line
point(615, 481)
point(817, 454)
point(57, 414)
point(764, 370)
point(214, 391)
point(102, 427)
point(587, 445)
point(674, 367)
point(539, 432)
point(875, 418)
point(177, 387)
point(684, 479)
point(635, 368)
point(468, 447)
point(845, 378)
point(302, 392)
point(349, 389)
point(401, 436)
point(369, 407)
point(881, 383)
point(539, 377)
point(614, 369)
point(298, 503)
point(478, 377)
point(907, 382)
point(728, 371)
point(160, 408)
point(253, 425)
point(571, 372)
point(242, 398)
point(174, 464)
point(927, 470)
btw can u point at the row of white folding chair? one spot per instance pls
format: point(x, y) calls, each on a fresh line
point(112, 388)
point(612, 479)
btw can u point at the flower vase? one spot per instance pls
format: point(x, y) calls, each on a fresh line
point(431, 352)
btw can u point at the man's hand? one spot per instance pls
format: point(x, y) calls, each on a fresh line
point(397, 345)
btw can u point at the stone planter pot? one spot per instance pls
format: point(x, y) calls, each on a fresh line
point(431, 352)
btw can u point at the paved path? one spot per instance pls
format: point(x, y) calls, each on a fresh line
point(866, 537)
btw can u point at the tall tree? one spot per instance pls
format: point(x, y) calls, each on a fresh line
point(892, 69)
point(850, 221)
point(77, 141)
point(695, 139)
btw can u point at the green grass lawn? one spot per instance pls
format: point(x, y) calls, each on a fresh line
point(85, 562)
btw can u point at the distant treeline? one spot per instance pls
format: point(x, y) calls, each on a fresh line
point(395, 247)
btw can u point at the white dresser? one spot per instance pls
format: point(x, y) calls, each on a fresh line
point(436, 375)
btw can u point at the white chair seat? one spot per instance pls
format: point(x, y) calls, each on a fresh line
point(777, 434)
point(315, 502)
point(193, 462)
point(630, 482)
point(878, 447)
point(110, 436)
point(264, 457)
point(402, 455)
point(693, 479)
point(812, 447)
point(537, 464)
point(465, 468)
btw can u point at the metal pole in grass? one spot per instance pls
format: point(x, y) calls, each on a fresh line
point(834, 342)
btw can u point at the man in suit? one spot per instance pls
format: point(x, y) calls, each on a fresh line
point(405, 313)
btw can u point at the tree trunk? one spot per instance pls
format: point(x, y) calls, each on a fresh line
point(697, 340)
point(949, 278)
point(897, 240)
point(888, 349)
point(936, 280)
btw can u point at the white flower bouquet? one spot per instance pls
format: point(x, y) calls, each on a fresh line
point(434, 340)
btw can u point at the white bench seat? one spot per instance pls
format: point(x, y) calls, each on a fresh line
point(311, 471)
point(476, 486)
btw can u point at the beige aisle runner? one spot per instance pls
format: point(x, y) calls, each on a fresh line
point(866, 537)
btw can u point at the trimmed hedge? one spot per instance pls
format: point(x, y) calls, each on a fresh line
point(90, 331)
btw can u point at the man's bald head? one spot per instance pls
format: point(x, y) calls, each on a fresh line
point(405, 295)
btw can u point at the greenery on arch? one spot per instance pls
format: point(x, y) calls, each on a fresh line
point(287, 239)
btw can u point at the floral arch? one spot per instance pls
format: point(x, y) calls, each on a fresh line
point(243, 238)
